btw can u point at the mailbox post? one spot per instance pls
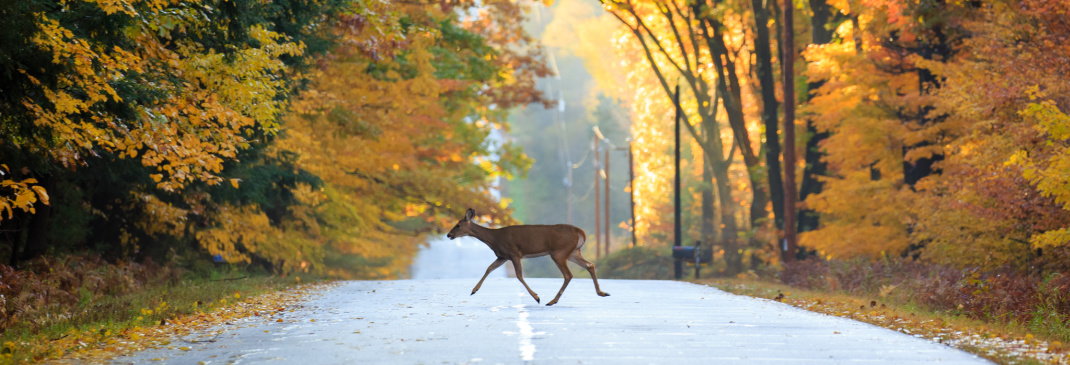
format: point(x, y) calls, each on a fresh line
point(680, 254)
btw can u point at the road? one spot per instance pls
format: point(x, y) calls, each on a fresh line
point(643, 322)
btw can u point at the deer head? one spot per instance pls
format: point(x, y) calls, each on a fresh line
point(464, 226)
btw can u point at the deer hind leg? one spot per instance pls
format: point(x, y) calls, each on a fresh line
point(579, 260)
point(520, 276)
point(493, 265)
point(562, 264)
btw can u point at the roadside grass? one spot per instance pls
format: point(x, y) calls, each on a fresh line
point(1004, 342)
point(50, 317)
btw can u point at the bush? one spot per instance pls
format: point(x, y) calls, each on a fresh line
point(636, 263)
point(1004, 295)
point(51, 289)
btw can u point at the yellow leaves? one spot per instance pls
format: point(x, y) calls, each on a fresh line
point(304, 194)
point(211, 101)
point(885, 290)
point(1047, 165)
point(160, 217)
point(1059, 237)
point(115, 6)
point(237, 233)
point(25, 193)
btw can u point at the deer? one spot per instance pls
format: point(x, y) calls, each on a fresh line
point(512, 243)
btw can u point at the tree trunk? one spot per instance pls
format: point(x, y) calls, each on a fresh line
point(767, 85)
point(730, 232)
point(707, 192)
point(815, 166)
point(36, 236)
point(730, 91)
point(788, 72)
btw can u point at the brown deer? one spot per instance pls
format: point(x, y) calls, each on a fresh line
point(561, 241)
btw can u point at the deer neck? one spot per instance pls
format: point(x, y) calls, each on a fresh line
point(483, 234)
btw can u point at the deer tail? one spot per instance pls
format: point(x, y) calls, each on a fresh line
point(582, 238)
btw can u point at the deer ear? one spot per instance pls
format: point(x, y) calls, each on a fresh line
point(469, 214)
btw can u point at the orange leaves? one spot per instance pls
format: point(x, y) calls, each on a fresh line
point(871, 106)
point(954, 97)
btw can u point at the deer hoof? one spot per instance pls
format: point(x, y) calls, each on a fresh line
point(603, 294)
point(537, 299)
point(473, 293)
point(551, 303)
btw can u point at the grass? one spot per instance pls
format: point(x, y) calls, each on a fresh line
point(94, 315)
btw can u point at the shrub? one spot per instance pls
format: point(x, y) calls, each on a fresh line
point(51, 289)
point(636, 263)
point(1003, 295)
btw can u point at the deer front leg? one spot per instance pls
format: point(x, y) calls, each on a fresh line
point(520, 276)
point(562, 265)
point(493, 265)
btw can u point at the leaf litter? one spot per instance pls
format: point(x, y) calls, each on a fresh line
point(980, 340)
point(96, 348)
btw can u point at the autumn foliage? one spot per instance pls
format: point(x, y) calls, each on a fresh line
point(945, 136)
point(299, 136)
point(932, 130)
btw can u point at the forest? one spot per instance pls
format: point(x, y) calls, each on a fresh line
point(927, 129)
point(323, 136)
point(334, 136)
point(930, 142)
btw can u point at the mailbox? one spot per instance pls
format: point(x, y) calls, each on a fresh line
point(692, 254)
point(683, 253)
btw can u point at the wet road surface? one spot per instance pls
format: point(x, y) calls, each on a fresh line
point(643, 322)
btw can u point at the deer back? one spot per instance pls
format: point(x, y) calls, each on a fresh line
point(533, 240)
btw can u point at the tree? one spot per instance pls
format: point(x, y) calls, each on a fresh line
point(161, 122)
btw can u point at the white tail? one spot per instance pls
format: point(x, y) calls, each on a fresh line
point(561, 241)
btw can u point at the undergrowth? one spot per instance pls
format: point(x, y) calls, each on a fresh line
point(54, 298)
point(1037, 304)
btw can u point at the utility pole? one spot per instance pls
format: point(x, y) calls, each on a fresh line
point(606, 181)
point(788, 61)
point(558, 118)
point(603, 171)
point(678, 269)
point(570, 192)
point(597, 203)
point(631, 186)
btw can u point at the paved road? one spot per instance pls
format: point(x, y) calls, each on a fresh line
point(455, 259)
point(643, 322)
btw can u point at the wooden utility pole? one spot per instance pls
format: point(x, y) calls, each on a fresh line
point(788, 62)
point(597, 204)
point(606, 180)
point(631, 186)
point(569, 192)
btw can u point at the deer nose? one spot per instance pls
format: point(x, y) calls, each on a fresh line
point(450, 236)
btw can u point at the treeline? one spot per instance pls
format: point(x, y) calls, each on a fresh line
point(297, 135)
point(927, 129)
